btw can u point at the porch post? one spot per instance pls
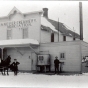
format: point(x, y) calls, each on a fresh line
point(2, 53)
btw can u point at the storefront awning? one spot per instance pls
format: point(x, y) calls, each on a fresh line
point(18, 42)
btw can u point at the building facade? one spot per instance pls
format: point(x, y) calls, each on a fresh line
point(53, 39)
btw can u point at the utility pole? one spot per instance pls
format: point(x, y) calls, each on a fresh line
point(58, 29)
point(74, 32)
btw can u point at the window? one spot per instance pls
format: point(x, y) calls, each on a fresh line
point(73, 38)
point(62, 55)
point(52, 37)
point(64, 38)
point(9, 34)
point(41, 60)
point(25, 33)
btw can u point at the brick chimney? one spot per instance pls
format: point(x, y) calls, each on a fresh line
point(45, 12)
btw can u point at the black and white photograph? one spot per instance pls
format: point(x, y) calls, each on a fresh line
point(44, 44)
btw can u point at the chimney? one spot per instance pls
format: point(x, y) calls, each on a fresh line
point(45, 14)
point(81, 20)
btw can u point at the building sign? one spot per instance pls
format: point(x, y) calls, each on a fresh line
point(21, 23)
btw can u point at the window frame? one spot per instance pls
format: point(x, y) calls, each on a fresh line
point(9, 36)
point(64, 38)
point(52, 37)
point(62, 55)
point(74, 38)
point(23, 33)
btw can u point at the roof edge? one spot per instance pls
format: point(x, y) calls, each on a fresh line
point(34, 12)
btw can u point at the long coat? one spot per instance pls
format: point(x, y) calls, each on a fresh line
point(56, 62)
point(15, 66)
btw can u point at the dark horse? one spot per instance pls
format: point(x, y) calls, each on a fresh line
point(5, 64)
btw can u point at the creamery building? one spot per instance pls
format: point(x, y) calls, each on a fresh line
point(35, 40)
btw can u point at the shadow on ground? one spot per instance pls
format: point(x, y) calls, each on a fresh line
point(60, 73)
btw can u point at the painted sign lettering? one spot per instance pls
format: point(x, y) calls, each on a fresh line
point(21, 23)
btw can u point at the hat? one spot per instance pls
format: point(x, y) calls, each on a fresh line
point(15, 59)
point(56, 57)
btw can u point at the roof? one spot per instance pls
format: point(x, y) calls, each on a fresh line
point(48, 24)
point(15, 42)
point(15, 10)
point(45, 24)
point(62, 28)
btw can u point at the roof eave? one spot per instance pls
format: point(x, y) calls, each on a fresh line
point(40, 12)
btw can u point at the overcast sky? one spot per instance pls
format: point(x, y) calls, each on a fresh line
point(66, 11)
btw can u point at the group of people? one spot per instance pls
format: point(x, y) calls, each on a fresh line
point(15, 63)
point(56, 64)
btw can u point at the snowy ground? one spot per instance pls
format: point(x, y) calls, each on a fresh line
point(44, 81)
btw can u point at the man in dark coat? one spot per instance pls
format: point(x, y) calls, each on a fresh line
point(15, 66)
point(56, 64)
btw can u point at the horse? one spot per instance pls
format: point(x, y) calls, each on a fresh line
point(5, 65)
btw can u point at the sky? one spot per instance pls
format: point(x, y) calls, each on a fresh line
point(66, 11)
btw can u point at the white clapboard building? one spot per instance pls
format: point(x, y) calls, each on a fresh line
point(29, 36)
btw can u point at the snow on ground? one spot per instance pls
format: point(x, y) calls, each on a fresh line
point(44, 81)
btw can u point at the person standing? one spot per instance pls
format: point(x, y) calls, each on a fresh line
point(15, 66)
point(86, 61)
point(56, 64)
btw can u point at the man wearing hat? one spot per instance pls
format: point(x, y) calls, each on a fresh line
point(15, 66)
point(56, 64)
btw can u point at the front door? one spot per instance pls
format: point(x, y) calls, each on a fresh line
point(34, 61)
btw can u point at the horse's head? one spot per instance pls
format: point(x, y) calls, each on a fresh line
point(7, 60)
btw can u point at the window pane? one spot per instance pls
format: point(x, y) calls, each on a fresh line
point(9, 34)
point(62, 55)
point(52, 37)
point(64, 38)
point(73, 38)
point(25, 33)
